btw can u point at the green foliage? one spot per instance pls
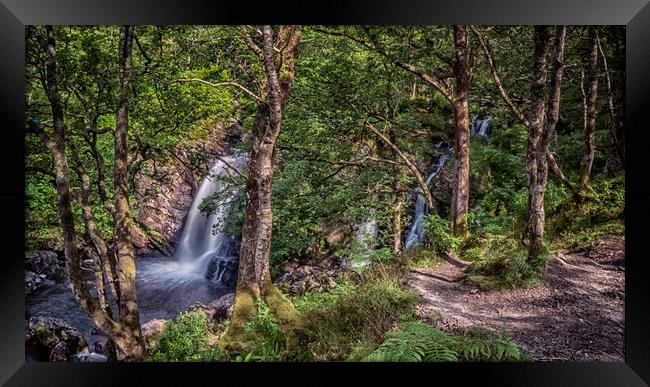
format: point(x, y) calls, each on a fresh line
point(357, 318)
point(438, 234)
point(603, 213)
point(419, 342)
point(269, 341)
point(185, 339)
point(500, 262)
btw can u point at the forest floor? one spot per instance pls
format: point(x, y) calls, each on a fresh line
point(575, 314)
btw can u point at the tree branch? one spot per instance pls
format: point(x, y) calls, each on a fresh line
point(219, 84)
point(425, 189)
point(495, 75)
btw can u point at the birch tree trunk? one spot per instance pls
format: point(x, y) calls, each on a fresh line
point(128, 305)
point(254, 279)
point(460, 197)
point(590, 116)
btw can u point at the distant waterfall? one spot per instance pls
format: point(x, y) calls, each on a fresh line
point(481, 125)
point(366, 233)
point(197, 242)
point(416, 233)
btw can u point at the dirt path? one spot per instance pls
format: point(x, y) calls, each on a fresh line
point(576, 314)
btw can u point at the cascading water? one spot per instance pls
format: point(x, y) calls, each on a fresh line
point(200, 251)
point(416, 233)
point(481, 126)
point(367, 233)
point(197, 242)
point(202, 269)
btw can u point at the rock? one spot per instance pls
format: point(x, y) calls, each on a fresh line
point(34, 282)
point(217, 310)
point(299, 279)
point(45, 262)
point(151, 330)
point(86, 356)
point(48, 338)
point(99, 346)
point(60, 352)
point(222, 270)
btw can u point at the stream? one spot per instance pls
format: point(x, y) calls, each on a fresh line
point(202, 269)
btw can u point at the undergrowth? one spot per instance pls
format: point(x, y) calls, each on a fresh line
point(418, 342)
point(186, 339)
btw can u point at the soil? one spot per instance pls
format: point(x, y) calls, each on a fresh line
point(576, 313)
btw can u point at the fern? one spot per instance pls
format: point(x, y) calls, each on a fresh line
point(419, 342)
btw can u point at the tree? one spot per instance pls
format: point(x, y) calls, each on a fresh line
point(128, 300)
point(126, 331)
point(254, 278)
point(542, 121)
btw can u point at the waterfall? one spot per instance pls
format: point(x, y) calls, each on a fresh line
point(416, 233)
point(366, 233)
point(481, 126)
point(197, 242)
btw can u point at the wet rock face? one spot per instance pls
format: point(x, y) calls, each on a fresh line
point(222, 270)
point(45, 262)
point(52, 339)
point(41, 268)
point(164, 191)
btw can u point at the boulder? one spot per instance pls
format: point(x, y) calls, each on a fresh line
point(298, 279)
point(222, 270)
point(60, 352)
point(34, 282)
point(219, 309)
point(52, 339)
point(151, 331)
point(45, 262)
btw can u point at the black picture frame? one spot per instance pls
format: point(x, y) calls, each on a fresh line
point(15, 14)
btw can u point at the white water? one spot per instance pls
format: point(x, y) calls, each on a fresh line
point(482, 125)
point(198, 242)
point(416, 233)
point(366, 233)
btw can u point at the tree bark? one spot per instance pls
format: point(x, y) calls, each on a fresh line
point(397, 217)
point(128, 306)
point(540, 131)
point(254, 279)
point(616, 156)
point(590, 116)
point(460, 197)
point(57, 147)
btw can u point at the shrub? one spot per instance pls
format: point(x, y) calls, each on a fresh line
point(438, 234)
point(185, 339)
point(419, 342)
point(500, 262)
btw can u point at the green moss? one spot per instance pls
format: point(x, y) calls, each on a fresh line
point(235, 339)
point(286, 314)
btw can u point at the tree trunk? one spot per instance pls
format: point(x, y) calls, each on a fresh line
point(535, 212)
point(460, 197)
point(57, 147)
point(254, 279)
point(590, 117)
point(128, 306)
point(616, 154)
point(540, 131)
point(397, 215)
